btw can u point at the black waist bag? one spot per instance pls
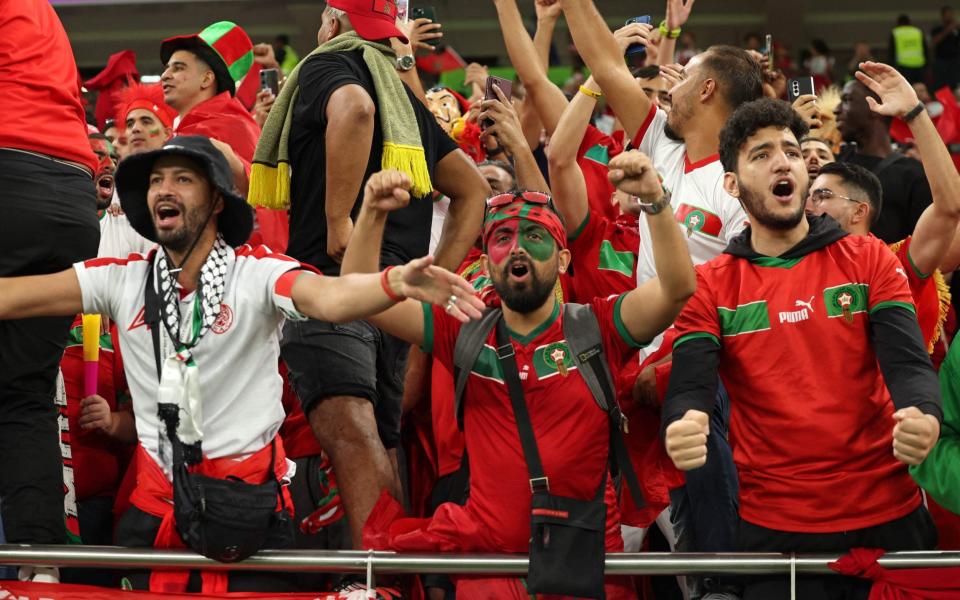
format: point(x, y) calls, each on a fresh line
point(567, 548)
point(228, 520)
point(567, 551)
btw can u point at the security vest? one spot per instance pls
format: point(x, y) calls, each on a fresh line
point(908, 44)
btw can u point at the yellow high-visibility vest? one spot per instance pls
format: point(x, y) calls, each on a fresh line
point(908, 44)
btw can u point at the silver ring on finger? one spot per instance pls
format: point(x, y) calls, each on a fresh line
point(453, 299)
point(448, 307)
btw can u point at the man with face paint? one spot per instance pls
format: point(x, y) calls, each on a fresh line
point(147, 120)
point(117, 237)
point(803, 321)
point(525, 250)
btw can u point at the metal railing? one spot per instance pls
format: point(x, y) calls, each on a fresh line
point(647, 563)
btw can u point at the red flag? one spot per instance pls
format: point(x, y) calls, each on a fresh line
point(444, 60)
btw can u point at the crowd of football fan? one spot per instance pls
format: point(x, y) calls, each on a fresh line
point(690, 267)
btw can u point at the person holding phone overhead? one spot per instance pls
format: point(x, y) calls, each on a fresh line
point(353, 116)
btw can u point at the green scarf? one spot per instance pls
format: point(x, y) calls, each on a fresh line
point(402, 147)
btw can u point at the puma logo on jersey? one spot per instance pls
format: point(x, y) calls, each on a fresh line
point(795, 316)
point(808, 304)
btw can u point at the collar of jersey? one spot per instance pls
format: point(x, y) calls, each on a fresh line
point(526, 339)
point(823, 232)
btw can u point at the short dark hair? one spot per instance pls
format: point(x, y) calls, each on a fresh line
point(860, 179)
point(503, 165)
point(738, 75)
point(752, 117)
point(647, 72)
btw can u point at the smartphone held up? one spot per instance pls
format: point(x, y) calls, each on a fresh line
point(505, 85)
point(637, 50)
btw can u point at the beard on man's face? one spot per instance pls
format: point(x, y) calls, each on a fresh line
point(754, 205)
point(527, 296)
point(670, 133)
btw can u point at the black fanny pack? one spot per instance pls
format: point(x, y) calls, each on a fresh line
point(227, 520)
point(567, 550)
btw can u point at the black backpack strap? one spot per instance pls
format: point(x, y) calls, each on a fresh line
point(467, 348)
point(508, 364)
point(151, 315)
point(582, 332)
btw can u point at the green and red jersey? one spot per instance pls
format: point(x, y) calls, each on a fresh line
point(572, 431)
point(604, 256)
point(593, 156)
point(811, 416)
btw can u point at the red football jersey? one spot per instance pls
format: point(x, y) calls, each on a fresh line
point(811, 420)
point(604, 255)
point(572, 430)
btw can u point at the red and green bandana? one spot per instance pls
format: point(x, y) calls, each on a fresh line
point(536, 213)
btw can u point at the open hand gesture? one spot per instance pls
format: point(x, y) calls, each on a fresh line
point(897, 96)
point(678, 11)
point(421, 280)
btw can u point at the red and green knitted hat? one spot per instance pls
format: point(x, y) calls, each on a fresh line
point(225, 46)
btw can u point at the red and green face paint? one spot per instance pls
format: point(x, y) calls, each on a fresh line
point(532, 237)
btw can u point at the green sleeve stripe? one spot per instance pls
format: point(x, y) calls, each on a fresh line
point(576, 232)
point(699, 335)
point(427, 346)
point(892, 304)
point(916, 271)
point(621, 328)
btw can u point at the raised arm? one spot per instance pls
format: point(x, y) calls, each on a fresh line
point(547, 15)
point(509, 135)
point(362, 293)
point(546, 97)
point(652, 307)
point(418, 31)
point(55, 295)
point(678, 11)
point(603, 57)
point(566, 178)
point(350, 113)
point(937, 226)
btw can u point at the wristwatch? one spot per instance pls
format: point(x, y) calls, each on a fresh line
point(405, 62)
point(655, 208)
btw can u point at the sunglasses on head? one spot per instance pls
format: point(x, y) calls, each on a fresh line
point(511, 197)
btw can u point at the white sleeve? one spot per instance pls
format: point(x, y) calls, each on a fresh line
point(650, 138)
point(276, 274)
point(100, 281)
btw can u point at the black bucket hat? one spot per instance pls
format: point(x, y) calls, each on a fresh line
point(235, 222)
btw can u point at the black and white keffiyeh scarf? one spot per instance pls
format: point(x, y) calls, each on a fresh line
point(180, 382)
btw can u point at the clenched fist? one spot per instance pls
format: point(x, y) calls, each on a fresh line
point(914, 435)
point(633, 173)
point(387, 191)
point(686, 440)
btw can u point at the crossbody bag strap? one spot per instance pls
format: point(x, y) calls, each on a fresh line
point(508, 364)
point(151, 315)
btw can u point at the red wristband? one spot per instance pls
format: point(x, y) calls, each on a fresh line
point(385, 284)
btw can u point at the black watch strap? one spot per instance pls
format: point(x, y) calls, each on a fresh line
point(919, 108)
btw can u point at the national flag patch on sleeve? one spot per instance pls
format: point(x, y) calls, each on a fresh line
point(696, 219)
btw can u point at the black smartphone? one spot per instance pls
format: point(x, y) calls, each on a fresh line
point(425, 12)
point(799, 87)
point(505, 85)
point(270, 80)
point(637, 49)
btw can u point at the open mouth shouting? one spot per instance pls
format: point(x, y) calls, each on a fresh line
point(783, 190)
point(105, 186)
point(167, 215)
point(518, 271)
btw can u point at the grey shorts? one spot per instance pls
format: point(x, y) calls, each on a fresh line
point(348, 359)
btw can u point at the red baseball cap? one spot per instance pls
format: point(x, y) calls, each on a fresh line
point(371, 19)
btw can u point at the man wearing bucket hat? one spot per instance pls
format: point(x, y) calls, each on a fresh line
point(212, 329)
point(342, 115)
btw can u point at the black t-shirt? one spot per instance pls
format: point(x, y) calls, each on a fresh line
point(906, 194)
point(407, 234)
point(949, 47)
